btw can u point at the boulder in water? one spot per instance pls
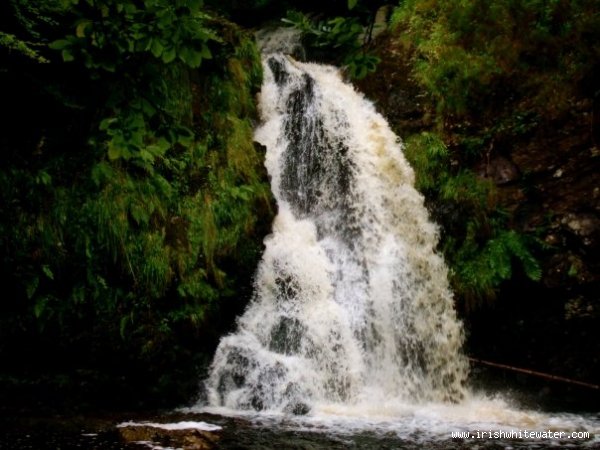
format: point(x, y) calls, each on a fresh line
point(186, 435)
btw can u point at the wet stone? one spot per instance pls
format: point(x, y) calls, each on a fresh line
point(286, 336)
point(298, 409)
point(187, 438)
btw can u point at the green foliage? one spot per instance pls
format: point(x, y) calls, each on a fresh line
point(22, 35)
point(12, 43)
point(465, 51)
point(480, 268)
point(359, 65)
point(342, 36)
point(107, 32)
point(133, 218)
point(492, 72)
point(478, 245)
point(430, 157)
point(451, 72)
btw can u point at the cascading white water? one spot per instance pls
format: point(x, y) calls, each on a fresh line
point(351, 302)
point(352, 317)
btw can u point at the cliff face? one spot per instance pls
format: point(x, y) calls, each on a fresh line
point(547, 182)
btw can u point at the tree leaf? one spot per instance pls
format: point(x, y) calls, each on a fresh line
point(169, 55)
point(59, 44)
point(123, 325)
point(205, 52)
point(114, 151)
point(39, 307)
point(47, 271)
point(67, 55)
point(156, 48)
point(80, 30)
point(195, 59)
point(32, 286)
point(105, 124)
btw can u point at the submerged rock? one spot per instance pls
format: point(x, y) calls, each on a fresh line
point(298, 408)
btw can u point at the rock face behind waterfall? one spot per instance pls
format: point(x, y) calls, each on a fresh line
point(351, 302)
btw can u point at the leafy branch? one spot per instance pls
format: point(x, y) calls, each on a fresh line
point(342, 34)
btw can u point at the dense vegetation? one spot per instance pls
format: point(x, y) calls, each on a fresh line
point(494, 72)
point(340, 40)
point(133, 194)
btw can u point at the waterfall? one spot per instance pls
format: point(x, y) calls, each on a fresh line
point(351, 302)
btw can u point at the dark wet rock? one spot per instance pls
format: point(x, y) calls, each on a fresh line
point(187, 438)
point(586, 226)
point(382, 18)
point(278, 68)
point(500, 170)
point(393, 89)
point(298, 409)
point(581, 308)
point(260, 149)
point(563, 269)
point(286, 336)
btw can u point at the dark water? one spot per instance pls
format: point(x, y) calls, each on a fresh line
point(100, 432)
